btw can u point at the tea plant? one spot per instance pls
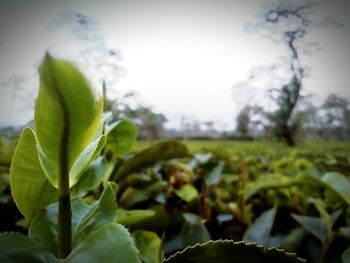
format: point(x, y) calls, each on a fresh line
point(49, 162)
point(219, 196)
point(60, 160)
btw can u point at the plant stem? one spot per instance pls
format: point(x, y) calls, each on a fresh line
point(64, 225)
point(64, 205)
point(64, 212)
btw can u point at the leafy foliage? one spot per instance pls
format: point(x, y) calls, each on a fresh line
point(59, 151)
point(166, 198)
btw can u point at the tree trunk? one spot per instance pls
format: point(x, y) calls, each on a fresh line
point(288, 137)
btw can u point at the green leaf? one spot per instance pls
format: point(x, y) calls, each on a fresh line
point(109, 243)
point(149, 245)
point(101, 213)
point(30, 188)
point(335, 216)
point(334, 182)
point(346, 256)
point(85, 158)
point(193, 230)
point(50, 172)
point(150, 156)
point(94, 175)
point(100, 130)
point(130, 217)
point(161, 220)
point(44, 226)
point(293, 241)
point(121, 137)
point(215, 174)
point(339, 184)
point(321, 207)
point(260, 230)
point(18, 248)
point(67, 114)
point(227, 251)
point(132, 196)
point(314, 225)
point(311, 178)
point(187, 192)
point(267, 182)
point(85, 219)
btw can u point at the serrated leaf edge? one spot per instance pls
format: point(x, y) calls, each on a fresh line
point(248, 244)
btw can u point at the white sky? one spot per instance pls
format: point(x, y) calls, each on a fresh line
point(181, 57)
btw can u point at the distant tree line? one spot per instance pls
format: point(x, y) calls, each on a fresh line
point(330, 120)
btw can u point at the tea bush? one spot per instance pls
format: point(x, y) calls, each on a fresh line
point(85, 197)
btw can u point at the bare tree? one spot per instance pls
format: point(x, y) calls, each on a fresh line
point(288, 23)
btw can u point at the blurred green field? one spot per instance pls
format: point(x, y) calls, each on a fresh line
point(240, 181)
point(273, 149)
point(262, 147)
point(326, 155)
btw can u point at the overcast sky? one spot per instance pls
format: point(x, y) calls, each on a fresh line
point(182, 57)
